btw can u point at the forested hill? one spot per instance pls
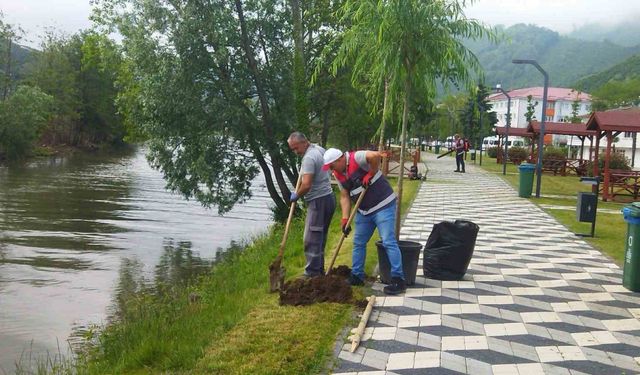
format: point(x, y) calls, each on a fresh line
point(565, 59)
point(627, 69)
point(19, 57)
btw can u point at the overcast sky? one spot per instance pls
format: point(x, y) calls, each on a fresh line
point(36, 16)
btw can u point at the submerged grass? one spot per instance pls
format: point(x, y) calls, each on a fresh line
point(235, 326)
point(562, 191)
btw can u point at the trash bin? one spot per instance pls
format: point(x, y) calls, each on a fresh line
point(631, 270)
point(449, 249)
point(437, 149)
point(410, 255)
point(473, 155)
point(526, 180)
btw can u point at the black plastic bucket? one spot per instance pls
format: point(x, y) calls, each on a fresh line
point(410, 256)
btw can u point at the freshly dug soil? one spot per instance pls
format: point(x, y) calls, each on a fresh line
point(330, 288)
point(342, 271)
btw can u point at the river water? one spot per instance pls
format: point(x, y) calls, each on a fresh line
point(74, 230)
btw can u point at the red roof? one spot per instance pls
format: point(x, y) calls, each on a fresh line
point(516, 132)
point(565, 128)
point(553, 94)
point(623, 120)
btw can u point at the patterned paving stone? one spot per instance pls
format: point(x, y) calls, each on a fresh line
point(536, 299)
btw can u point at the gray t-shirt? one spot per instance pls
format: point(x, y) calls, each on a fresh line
point(312, 162)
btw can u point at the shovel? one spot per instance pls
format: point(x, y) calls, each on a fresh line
point(351, 216)
point(276, 270)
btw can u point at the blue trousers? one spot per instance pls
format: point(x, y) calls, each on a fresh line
point(385, 221)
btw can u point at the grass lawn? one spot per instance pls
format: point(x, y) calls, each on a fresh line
point(237, 327)
point(611, 229)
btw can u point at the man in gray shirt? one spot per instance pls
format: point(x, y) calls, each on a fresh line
point(318, 195)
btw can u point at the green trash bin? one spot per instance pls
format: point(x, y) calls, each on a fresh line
point(437, 149)
point(631, 271)
point(526, 180)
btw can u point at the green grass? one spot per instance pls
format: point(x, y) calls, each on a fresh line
point(237, 326)
point(562, 191)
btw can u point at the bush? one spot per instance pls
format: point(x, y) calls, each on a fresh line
point(492, 152)
point(618, 161)
point(554, 153)
point(22, 116)
point(517, 154)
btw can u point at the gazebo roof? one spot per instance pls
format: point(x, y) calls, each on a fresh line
point(620, 120)
point(565, 128)
point(516, 132)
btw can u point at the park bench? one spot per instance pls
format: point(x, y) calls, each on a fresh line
point(624, 183)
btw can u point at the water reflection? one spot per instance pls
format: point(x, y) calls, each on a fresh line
point(177, 268)
point(79, 234)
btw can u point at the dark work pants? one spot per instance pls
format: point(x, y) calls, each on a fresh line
point(460, 161)
point(316, 226)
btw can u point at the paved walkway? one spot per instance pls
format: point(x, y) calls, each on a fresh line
point(536, 299)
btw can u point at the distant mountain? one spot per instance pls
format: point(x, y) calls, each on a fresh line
point(565, 59)
point(624, 34)
point(625, 70)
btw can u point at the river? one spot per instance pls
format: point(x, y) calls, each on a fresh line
point(73, 229)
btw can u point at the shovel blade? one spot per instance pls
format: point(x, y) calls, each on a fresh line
point(276, 275)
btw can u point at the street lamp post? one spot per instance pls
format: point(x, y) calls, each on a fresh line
point(542, 121)
point(480, 131)
point(506, 133)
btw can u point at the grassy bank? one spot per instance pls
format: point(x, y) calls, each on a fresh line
point(236, 326)
point(558, 198)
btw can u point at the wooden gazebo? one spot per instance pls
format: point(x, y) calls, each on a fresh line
point(610, 124)
point(562, 128)
point(501, 132)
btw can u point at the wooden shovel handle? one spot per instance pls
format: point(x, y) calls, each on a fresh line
point(286, 228)
point(351, 216)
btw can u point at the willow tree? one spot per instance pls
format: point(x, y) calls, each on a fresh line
point(209, 84)
point(415, 45)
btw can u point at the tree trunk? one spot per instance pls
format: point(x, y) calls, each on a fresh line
point(299, 71)
point(385, 113)
point(385, 110)
point(403, 136)
point(273, 150)
point(325, 117)
point(7, 71)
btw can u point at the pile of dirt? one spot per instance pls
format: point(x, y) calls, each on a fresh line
point(334, 287)
point(342, 271)
point(329, 288)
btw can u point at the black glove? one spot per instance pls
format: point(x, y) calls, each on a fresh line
point(345, 229)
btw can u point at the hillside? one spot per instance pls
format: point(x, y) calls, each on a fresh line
point(627, 69)
point(19, 57)
point(624, 34)
point(565, 59)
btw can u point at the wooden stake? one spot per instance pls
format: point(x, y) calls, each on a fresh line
point(355, 340)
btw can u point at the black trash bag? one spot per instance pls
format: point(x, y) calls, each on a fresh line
point(449, 249)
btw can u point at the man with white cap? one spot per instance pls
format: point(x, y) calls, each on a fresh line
point(318, 195)
point(356, 171)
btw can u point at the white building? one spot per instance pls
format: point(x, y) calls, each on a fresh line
point(559, 105)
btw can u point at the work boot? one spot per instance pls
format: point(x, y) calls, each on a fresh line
point(456, 170)
point(355, 280)
point(396, 287)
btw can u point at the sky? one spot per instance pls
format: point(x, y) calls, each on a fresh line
point(69, 16)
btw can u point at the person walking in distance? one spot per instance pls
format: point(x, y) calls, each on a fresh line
point(458, 145)
point(318, 195)
point(356, 171)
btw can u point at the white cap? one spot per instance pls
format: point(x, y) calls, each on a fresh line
point(330, 156)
